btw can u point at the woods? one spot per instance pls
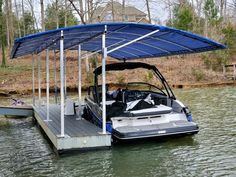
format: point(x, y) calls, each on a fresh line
point(215, 19)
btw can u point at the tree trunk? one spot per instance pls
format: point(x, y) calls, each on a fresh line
point(42, 15)
point(33, 14)
point(23, 15)
point(11, 27)
point(57, 14)
point(90, 10)
point(7, 23)
point(123, 10)
point(221, 8)
point(148, 10)
point(65, 19)
point(18, 19)
point(2, 36)
point(225, 10)
point(112, 10)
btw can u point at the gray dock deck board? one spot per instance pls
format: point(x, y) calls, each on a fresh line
point(78, 133)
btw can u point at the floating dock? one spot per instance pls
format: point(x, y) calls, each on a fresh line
point(19, 111)
point(79, 133)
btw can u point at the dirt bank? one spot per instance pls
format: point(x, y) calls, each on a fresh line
point(187, 72)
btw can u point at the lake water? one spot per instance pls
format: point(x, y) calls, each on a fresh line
point(212, 152)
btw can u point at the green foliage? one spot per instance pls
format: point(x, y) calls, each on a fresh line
point(51, 17)
point(211, 12)
point(148, 76)
point(229, 39)
point(90, 78)
point(198, 74)
point(28, 21)
point(183, 16)
point(93, 61)
point(215, 60)
point(210, 9)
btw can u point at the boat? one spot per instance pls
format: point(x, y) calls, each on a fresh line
point(137, 110)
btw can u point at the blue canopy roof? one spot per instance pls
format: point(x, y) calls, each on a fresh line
point(166, 42)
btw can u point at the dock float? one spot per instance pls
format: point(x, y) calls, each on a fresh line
point(18, 111)
point(79, 133)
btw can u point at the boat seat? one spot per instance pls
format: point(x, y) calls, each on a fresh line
point(158, 109)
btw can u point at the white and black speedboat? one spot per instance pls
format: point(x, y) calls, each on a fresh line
point(138, 109)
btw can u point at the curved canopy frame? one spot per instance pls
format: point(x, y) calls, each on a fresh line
point(166, 42)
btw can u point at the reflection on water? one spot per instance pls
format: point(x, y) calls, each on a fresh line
point(212, 152)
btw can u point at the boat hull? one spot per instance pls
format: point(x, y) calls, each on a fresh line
point(173, 128)
point(161, 130)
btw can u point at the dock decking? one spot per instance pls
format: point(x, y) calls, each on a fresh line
point(79, 134)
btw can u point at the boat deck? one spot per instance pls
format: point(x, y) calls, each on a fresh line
point(79, 133)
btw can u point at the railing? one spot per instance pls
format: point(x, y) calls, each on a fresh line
point(225, 73)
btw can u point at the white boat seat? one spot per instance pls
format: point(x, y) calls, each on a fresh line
point(158, 109)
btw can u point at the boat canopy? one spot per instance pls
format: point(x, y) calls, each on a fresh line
point(124, 41)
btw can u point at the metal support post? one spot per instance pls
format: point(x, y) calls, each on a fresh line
point(39, 79)
point(79, 80)
point(62, 82)
point(104, 56)
point(65, 74)
point(55, 76)
point(47, 83)
point(33, 81)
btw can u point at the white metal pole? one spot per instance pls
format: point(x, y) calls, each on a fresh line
point(104, 56)
point(39, 79)
point(47, 82)
point(55, 76)
point(79, 79)
point(62, 82)
point(135, 40)
point(33, 81)
point(65, 85)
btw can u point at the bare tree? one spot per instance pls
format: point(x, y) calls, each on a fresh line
point(80, 11)
point(2, 36)
point(112, 10)
point(148, 10)
point(65, 13)
point(123, 10)
point(86, 9)
point(31, 2)
point(23, 14)
point(42, 15)
point(57, 13)
point(17, 18)
point(7, 22)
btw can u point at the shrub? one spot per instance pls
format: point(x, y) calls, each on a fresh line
point(148, 76)
point(198, 74)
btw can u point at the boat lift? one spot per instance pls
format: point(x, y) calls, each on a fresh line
point(122, 41)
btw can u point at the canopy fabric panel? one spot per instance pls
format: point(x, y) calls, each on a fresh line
point(166, 42)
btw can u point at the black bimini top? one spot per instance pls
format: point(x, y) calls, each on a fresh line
point(163, 41)
point(123, 66)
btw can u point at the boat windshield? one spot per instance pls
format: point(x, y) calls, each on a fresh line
point(136, 79)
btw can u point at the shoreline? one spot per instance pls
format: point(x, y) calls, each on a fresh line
point(28, 91)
